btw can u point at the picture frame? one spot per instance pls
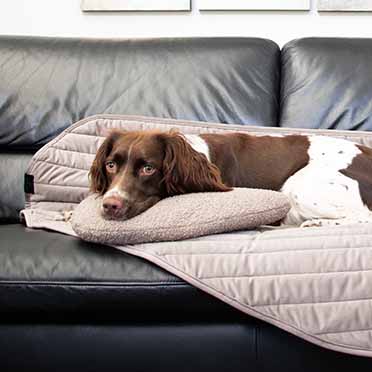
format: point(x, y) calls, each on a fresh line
point(254, 4)
point(135, 5)
point(345, 5)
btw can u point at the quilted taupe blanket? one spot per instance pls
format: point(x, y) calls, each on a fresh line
point(314, 282)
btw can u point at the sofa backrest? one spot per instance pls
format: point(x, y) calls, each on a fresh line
point(46, 84)
point(327, 83)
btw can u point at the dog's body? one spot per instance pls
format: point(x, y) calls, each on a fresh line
point(328, 180)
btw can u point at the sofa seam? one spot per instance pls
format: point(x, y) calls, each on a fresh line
point(94, 284)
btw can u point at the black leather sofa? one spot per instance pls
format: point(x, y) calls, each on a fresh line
point(67, 305)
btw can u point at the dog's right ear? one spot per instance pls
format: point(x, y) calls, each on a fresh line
point(99, 182)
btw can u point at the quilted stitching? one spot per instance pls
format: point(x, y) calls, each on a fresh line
point(314, 283)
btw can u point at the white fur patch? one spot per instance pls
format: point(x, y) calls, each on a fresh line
point(198, 144)
point(331, 153)
point(319, 190)
point(115, 191)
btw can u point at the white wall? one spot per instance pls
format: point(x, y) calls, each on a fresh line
point(64, 18)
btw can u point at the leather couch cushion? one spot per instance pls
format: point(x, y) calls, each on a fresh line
point(129, 346)
point(46, 84)
point(246, 344)
point(12, 168)
point(234, 346)
point(52, 274)
point(327, 83)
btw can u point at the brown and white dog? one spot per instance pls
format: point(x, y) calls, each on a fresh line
point(328, 180)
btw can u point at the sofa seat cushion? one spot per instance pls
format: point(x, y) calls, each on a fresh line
point(47, 273)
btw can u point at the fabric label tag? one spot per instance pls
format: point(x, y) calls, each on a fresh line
point(29, 184)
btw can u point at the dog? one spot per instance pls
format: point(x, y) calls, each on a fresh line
point(327, 180)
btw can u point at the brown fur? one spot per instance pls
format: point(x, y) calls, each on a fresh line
point(179, 168)
point(186, 170)
point(99, 179)
point(360, 170)
point(264, 162)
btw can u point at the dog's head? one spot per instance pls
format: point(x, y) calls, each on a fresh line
point(134, 170)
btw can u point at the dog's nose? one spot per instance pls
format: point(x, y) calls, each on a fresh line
point(112, 206)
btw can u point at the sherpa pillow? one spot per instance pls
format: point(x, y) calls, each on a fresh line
point(182, 217)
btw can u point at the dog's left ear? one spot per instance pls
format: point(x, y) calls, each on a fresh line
point(99, 182)
point(186, 170)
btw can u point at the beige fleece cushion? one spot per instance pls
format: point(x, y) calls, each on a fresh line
point(182, 217)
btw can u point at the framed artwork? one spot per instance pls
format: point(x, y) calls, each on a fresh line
point(135, 5)
point(345, 5)
point(254, 4)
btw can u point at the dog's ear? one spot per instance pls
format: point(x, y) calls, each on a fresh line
point(99, 182)
point(186, 170)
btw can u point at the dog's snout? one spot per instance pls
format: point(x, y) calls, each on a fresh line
point(112, 206)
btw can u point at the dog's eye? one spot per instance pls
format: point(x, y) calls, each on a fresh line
point(147, 170)
point(111, 166)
